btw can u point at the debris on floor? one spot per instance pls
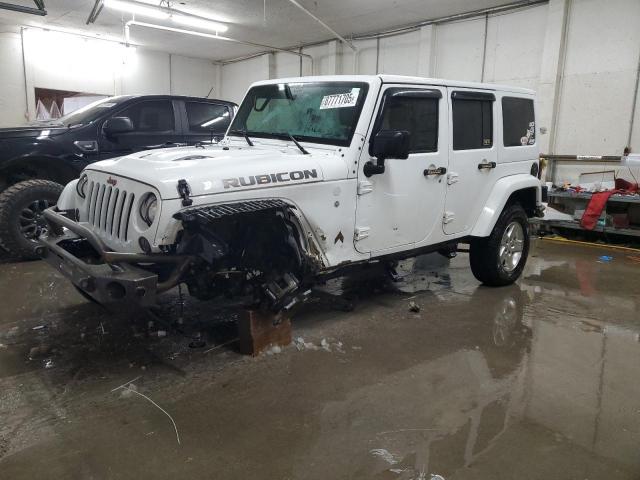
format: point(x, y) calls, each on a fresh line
point(273, 350)
point(414, 307)
point(384, 455)
point(325, 345)
point(131, 388)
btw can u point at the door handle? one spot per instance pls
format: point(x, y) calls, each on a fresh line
point(434, 171)
point(486, 165)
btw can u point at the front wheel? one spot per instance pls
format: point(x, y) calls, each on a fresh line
point(21, 215)
point(499, 259)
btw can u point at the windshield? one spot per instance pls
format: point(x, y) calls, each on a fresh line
point(313, 112)
point(88, 113)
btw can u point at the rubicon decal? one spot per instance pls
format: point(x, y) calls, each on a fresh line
point(269, 178)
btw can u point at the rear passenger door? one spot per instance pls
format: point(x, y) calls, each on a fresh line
point(156, 124)
point(472, 157)
point(206, 121)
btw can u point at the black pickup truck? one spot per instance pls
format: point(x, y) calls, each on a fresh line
point(38, 160)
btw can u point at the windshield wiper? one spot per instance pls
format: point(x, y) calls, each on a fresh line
point(302, 149)
point(244, 134)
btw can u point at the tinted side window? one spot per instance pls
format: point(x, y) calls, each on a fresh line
point(417, 115)
point(472, 124)
point(150, 116)
point(518, 122)
point(204, 117)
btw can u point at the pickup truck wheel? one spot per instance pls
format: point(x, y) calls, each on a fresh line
point(499, 259)
point(21, 219)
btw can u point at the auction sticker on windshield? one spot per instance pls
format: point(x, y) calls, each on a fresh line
point(340, 100)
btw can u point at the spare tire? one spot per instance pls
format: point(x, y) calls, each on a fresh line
point(21, 215)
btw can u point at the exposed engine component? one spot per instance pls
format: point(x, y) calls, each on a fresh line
point(251, 248)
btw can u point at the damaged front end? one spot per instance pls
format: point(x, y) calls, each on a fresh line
point(256, 250)
point(252, 251)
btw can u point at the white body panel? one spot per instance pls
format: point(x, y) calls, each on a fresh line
point(402, 210)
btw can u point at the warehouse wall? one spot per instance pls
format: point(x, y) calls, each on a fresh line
point(69, 62)
point(580, 55)
point(12, 99)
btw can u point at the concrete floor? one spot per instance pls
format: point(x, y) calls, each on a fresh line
point(534, 381)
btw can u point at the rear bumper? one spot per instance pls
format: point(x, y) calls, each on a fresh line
point(108, 277)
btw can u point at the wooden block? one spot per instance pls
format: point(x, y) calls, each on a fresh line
point(256, 332)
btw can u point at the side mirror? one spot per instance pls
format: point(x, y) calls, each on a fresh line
point(117, 125)
point(387, 144)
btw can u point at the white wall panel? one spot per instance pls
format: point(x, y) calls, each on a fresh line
point(400, 54)
point(286, 65)
point(236, 77)
point(459, 48)
point(514, 47)
point(603, 45)
point(325, 59)
point(364, 60)
point(13, 106)
point(149, 74)
point(69, 62)
point(193, 76)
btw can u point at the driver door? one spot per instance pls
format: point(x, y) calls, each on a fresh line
point(403, 205)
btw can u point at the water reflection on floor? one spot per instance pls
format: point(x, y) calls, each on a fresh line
point(537, 380)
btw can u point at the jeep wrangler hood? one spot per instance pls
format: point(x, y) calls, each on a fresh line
point(214, 170)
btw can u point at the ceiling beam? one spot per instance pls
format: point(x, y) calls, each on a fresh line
point(22, 9)
point(327, 27)
point(95, 11)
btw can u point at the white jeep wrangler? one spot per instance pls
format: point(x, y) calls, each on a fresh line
point(316, 175)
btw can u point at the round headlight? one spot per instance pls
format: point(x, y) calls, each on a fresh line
point(148, 208)
point(81, 186)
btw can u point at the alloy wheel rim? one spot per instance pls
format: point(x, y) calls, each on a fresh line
point(31, 221)
point(511, 247)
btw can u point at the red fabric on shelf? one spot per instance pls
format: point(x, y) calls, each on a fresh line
point(629, 187)
point(594, 209)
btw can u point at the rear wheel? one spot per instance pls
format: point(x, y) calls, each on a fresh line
point(21, 215)
point(499, 259)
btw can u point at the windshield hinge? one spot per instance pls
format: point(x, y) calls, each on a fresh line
point(364, 187)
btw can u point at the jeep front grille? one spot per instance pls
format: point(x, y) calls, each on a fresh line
point(109, 210)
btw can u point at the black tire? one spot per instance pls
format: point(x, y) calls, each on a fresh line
point(484, 253)
point(21, 220)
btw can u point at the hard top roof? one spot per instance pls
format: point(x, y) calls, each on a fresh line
point(384, 78)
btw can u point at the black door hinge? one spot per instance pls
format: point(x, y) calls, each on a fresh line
point(184, 191)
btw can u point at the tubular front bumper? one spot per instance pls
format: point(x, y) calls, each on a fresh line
point(108, 277)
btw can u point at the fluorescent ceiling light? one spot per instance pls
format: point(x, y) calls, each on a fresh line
point(136, 9)
point(198, 23)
